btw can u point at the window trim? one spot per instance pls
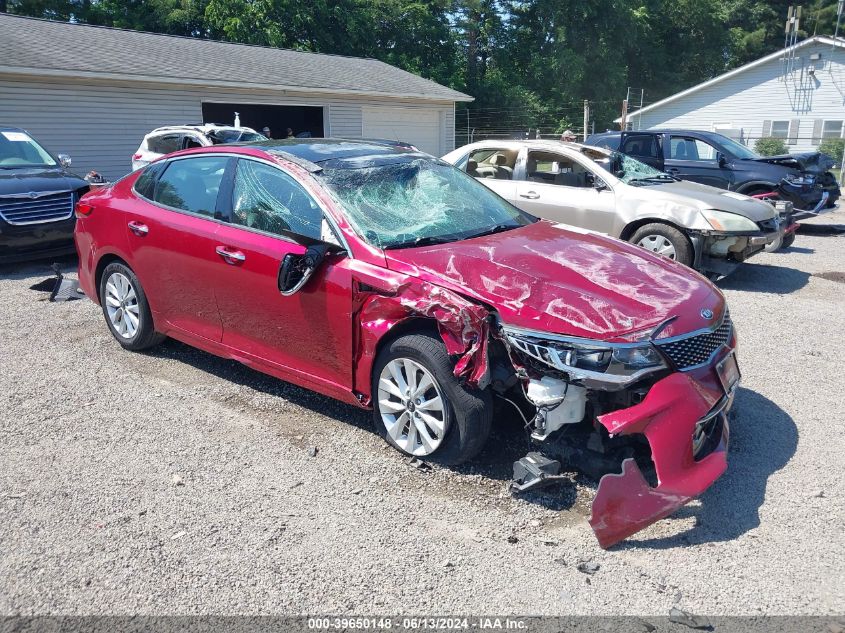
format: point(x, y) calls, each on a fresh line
point(841, 129)
point(168, 162)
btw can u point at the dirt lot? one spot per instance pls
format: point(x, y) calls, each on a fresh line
point(174, 482)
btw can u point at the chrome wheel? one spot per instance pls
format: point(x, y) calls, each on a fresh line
point(411, 407)
point(122, 305)
point(658, 244)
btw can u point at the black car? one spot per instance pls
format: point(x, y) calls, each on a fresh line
point(37, 197)
point(716, 160)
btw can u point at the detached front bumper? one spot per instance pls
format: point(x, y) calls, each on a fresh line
point(722, 253)
point(684, 419)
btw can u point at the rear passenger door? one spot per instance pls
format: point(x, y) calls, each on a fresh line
point(494, 166)
point(644, 147)
point(171, 227)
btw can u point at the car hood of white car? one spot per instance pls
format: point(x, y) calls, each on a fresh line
point(704, 197)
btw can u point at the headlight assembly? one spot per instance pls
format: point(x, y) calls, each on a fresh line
point(613, 363)
point(729, 222)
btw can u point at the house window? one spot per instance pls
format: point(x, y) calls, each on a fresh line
point(780, 129)
point(832, 129)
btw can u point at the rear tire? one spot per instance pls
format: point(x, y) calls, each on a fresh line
point(126, 309)
point(666, 240)
point(421, 409)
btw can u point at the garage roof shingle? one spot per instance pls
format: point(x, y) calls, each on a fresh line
point(34, 46)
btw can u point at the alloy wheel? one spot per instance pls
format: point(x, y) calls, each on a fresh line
point(122, 305)
point(411, 407)
point(658, 244)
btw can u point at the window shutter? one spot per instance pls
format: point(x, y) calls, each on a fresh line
point(793, 132)
point(767, 129)
point(817, 131)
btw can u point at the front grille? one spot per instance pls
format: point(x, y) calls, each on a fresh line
point(46, 208)
point(698, 349)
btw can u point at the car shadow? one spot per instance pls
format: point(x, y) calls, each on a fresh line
point(240, 374)
point(763, 438)
point(765, 278)
point(22, 270)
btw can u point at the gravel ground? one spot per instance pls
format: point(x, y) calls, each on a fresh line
point(174, 482)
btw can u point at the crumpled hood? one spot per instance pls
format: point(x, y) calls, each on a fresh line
point(704, 197)
point(560, 279)
point(809, 162)
point(15, 181)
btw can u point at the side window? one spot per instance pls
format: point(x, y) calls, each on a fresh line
point(492, 163)
point(190, 141)
point(641, 145)
point(165, 144)
point(687, 148)
point(554, 169)
point(145, 185)
point(191, 184)
point(267, 199)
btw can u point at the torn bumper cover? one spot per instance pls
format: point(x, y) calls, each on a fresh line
point(685, 422)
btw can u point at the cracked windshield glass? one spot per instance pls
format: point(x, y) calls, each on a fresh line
point(630, 170)
point(416, 202)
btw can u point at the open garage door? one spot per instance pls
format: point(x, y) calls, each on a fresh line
point(419, 127)
point(303, 120)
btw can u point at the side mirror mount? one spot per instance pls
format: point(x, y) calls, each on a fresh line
point(64, 160)
point(721, 159)
point(296, 270)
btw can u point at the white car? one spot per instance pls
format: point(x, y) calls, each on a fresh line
point(709, 229)
point(165, 140)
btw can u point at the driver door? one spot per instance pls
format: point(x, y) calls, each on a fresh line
point(559, 188)
point(307, 333)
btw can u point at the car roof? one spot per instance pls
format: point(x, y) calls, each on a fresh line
point(204, 127)
point(662, 130)
point(320, 150)
point(551, 144)
point(9, 128)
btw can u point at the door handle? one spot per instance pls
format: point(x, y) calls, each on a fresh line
point(672, 170)
point(138, 228)
point(230, 256)
point(531, 195)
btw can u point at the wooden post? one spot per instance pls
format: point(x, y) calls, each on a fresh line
point(623, 122)
point(586, 118)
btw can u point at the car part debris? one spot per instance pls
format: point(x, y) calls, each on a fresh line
point(679, 616)
point(64, 289)
point(534, 471)
point(588, 567)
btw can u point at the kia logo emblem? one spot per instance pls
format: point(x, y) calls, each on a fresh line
point(707, 314)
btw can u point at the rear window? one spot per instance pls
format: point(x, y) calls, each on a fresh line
point(191, 184)
point(165, 144)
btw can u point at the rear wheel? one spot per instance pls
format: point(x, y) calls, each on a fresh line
point(665, 240)
point(126, 309)
point(420, 408)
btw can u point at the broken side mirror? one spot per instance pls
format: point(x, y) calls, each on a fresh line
point(720, 158)
point(296, 270)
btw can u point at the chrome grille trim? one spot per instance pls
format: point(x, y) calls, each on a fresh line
point(21, 209)
point(699, 349)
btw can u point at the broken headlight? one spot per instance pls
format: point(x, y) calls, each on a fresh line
point(729, 222)
point(617, 363)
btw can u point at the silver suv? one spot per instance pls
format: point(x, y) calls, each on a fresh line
point(165, 140)
point(709, 229)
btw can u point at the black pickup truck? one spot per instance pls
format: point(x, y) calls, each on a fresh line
point(716, 160)
point(37, 198)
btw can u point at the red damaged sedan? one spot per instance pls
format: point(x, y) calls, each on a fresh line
point(386, 278)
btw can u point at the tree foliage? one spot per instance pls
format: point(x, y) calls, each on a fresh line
point(527, 62)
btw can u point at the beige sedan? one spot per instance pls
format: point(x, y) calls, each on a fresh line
point(709, 229)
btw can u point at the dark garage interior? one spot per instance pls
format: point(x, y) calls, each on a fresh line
point(303, 120)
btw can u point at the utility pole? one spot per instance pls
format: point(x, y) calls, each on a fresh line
point(839, 9)
point(623, 120)
point(586, 118)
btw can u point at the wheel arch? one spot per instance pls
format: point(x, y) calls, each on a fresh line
point(633, 227)
point(105, 260)
point(756, 186)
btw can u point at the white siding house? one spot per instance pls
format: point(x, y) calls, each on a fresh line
point(94, 92)
point(797, 94)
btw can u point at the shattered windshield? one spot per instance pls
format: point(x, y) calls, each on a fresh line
point(418, 201)
point(631, 171)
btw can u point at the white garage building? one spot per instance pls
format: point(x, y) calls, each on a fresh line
point(94, 92)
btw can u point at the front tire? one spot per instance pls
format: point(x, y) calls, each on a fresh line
point(126, 309)
point(665, 240)
point(421, 409)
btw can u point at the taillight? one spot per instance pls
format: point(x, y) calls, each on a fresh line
point(83, 209)
point(136, 156)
